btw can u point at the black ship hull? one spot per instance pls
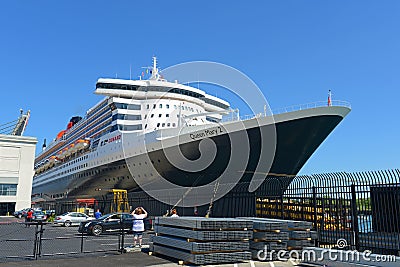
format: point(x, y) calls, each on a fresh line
point(296, 140)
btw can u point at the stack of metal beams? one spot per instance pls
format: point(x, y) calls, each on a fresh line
point(269, 237)
point(203, 240)
point(273, 236)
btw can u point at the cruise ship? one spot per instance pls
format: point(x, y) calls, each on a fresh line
point(131, 140)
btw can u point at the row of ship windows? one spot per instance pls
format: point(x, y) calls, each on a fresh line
point(102, 105)
point(68, 164)
point(87, 121)
point(124, 106)
point(148, 88)
point(94, 172)
point(95, 125)
point(138, 127)
point(163, 125)
point(126, 127)
point(175, 107)
point(159, 115)
point(126, 117)
point(75, 168)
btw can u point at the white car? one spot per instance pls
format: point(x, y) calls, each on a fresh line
point(70, 218)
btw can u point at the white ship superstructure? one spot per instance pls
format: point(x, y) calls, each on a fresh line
point(139, 106)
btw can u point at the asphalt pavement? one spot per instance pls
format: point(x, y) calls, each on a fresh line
point(113, 258)
point(127, 259)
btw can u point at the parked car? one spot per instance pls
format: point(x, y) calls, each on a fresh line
point(50, 212)
point(21, 213)
point(107, 223)
point(70, 218)
point(39, 215)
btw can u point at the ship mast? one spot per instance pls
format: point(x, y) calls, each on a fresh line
point(154, 71)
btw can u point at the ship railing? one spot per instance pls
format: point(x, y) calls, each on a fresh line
point(333, 103)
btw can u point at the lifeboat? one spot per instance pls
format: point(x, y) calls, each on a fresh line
point(41, 169)
point(52, 161)
point(60, 134)
point(71, 150)
point(58, 156)
point(81, 144)
point(63, 153)
point(46, 164)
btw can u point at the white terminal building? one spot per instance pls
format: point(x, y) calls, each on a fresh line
point(17, 155)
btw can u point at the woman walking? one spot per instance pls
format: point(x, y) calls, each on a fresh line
point(139, 214)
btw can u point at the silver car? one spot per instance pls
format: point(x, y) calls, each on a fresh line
point(70, 218)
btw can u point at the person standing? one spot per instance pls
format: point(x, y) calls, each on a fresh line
point(29, 216)
point(139, 214)
point(174, 213)
point(97, 214)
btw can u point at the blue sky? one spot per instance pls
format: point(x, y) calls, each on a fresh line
point(52, 53)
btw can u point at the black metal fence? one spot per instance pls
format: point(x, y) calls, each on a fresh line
point(361, 210)
point(22, 241)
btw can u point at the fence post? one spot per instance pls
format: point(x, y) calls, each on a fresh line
point(82, 242)
point(40, 238)
point(354, 217)
point(314, 192)
point(122, 235)
point(35, 243)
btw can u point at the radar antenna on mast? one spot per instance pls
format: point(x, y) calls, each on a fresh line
point(154, 71)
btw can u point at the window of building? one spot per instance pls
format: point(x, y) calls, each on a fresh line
point(167, 115)
point(159, 115)
point(168, 124)
point(163, 125)
point(152, 115)
point(160, 105)
point(145, 116)
point(167, 105)
point(145, 126)
point(158, 124)
point(148, 106)
point(173, 124)
point(8, 189)
point(154, 106)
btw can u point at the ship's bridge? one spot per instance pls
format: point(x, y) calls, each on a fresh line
point(158, 104)
point(149, 89)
